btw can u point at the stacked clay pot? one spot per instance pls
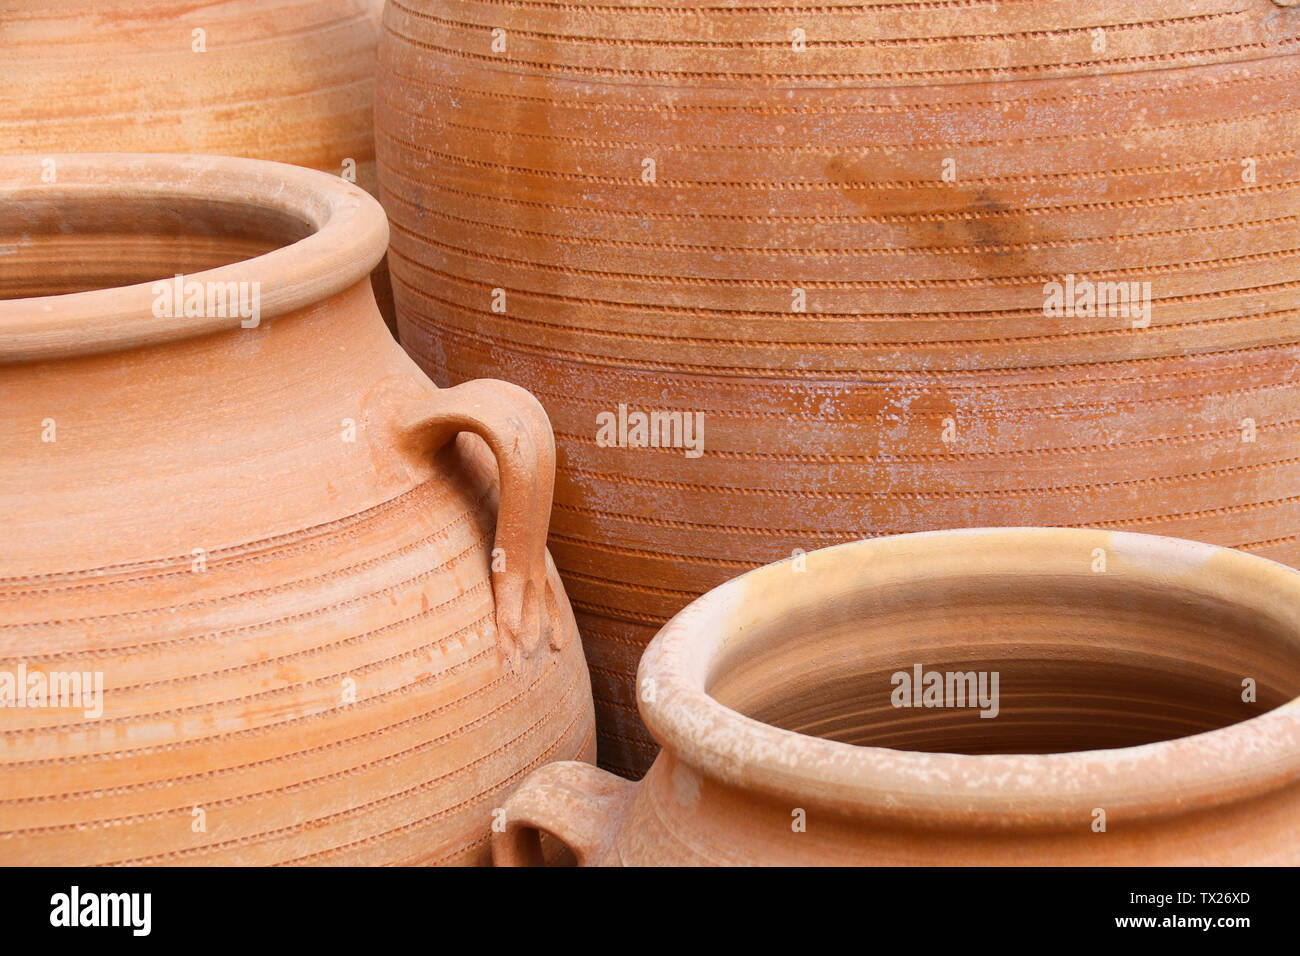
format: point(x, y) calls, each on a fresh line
point(832, 231)
point(1147, 713)
point(285, 80)
point(314, 587)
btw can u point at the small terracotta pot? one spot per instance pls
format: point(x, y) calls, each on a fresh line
point(267, 538)
point(1147, 711)
point(838, 240)
point(286, 80)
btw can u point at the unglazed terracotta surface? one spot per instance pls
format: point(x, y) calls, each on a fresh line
point(322, 634)
point(827, 234)
point(1122, 732)
point(286, 80)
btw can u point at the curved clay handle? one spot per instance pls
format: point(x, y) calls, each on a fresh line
point(576, 802)
point(516, 429)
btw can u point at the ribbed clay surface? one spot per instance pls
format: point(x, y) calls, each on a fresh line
point(289, 80)
point(923, 386)
point(968, 697)
point(286, 80)
point(283, 582)
point(226, 692)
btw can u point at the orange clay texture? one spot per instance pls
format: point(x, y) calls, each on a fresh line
point(828, 231)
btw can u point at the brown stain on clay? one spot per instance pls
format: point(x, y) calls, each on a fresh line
point(993, 237)
point(823, 172)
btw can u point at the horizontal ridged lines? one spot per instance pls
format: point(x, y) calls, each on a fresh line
point(411, 766)
point(307, 102)
point(829, 353)
point(897, 44)
point(924, 298)
point(258, 728)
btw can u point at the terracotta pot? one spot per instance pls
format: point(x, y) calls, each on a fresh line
point(286, 80)
point(1120, 730)
point(271, 544)
point(831, 232)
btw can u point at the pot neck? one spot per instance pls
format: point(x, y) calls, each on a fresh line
point(207, 441)
point(744, 639)
point(93, 243)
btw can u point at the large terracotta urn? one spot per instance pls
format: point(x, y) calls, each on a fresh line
point(1021, 696)
point(787, 276)
point(287, 80)
point(266, 594)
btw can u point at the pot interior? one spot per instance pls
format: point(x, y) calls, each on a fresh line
point(1082, 663)
point(58, 244)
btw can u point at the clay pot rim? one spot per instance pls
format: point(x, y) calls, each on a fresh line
point(1024, 791)
point(349, 237)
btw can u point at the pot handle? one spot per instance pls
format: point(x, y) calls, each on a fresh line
point(516, 429)
point(579, 804)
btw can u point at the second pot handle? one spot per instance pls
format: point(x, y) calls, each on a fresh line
point(575, 802)
point(516, 429)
